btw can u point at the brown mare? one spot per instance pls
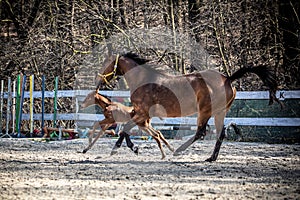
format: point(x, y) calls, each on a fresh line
point(155, 94)
point(113, 112)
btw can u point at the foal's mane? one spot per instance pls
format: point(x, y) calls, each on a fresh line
point(105, 96)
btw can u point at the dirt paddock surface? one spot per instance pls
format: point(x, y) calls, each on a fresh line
point(54, 170)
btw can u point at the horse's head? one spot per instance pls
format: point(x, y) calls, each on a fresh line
point(109, 71)
point(116, 65)
point(95, 98)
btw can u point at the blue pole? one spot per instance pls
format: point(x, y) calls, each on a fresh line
point(21, 105)
point(43, 102)
point(55, 101)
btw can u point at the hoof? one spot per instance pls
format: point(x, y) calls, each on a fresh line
point(135, 150)
point(210, 159)
point(114, 150)
point(172, 149)
point(177, 153)
point(85, 150)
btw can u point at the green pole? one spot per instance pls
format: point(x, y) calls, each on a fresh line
point(55, 102)
point(21, 104)
point(18, 95)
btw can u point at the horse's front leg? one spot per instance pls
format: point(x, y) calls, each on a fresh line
point(127, 127)
point(130, 144)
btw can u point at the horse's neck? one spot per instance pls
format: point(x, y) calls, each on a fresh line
point(137, 76)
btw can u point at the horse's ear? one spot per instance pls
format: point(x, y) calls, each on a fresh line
point(97, 91)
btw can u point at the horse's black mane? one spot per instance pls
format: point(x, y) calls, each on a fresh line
point(136, 58)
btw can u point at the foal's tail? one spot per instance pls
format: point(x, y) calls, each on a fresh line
point(266, 75)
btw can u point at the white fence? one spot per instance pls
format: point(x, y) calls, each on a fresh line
point(168, 122)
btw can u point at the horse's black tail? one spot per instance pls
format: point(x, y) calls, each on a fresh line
point(266, 75)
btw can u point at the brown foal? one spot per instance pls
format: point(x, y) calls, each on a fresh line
point(115, 112)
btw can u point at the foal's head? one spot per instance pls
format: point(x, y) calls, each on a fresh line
point(96, 98)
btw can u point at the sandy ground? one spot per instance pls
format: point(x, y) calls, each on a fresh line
point(53, 170)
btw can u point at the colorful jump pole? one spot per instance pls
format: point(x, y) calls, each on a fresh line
point(55, 102)
point(21, 104)
point(31, 88)
point(43, 103)
point(18, 95)
point(1, 105)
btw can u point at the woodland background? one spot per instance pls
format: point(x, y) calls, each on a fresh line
point(56, 38)
point(71, 38)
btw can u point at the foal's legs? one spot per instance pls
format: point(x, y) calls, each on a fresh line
point(161, 136)
point(96, 138)
point(106, 123)
point(91, 134)
point(155, 135)
point(219, 123)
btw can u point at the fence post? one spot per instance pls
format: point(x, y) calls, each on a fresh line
point(8, 106)
point(18, 94)
point(1, 105)
point(21, 105)
point(31, 88)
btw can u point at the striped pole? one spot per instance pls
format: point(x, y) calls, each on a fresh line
point(31, 88)
point(8, 105)
point(55, 102)
point(18, 94)
point(21, 105)
point(43, 102)
point(1, 105)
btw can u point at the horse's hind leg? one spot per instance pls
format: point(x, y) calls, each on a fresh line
point(219, 123)
point(200, 133)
